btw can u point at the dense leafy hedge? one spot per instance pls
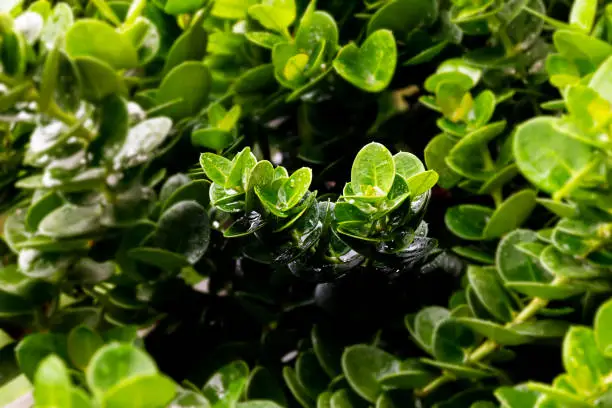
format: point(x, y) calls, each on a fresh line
point(264, 203)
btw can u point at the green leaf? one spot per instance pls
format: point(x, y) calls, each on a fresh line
point(363, 366)
point(217, 168)
point(495, 332)
point(298, 391)
point(565, 210)
point(468, 221)
point(141, 391)
point(511, 214)
point(231, 9)
point(451, 341)
point(190, 399)
point(542, 329)
point(583, 361)
point(582, 15)
point(258, 404)
point(70, 221)
point(316, 27)
point(214, 139)
point(166, 260)
point(603, 328)
point(56, 25)
point(373, 171)
point(372, 66)
point(190, 46)
point(83, 342)
point(49, 79)
point(422, 182)
point(13, 281)
point(556, 395)
point(548, 157)
point(407, 379)
point(52, 384)
point(226, 386)
point(184, 228)
point(197, 190)
point(87, 271)
point(601, 82)
point(407, 165)
point(185, 88)
point(264, 39)
point(141, 141)
point(274, 15)
point(566, 266)
point(490, 291)
point(116, 363)
point(458, 370)
point(98, 79)
point(324, 400)
point(97, 39)
point(145, 37)
point(40, 208)
point(326, 349)
point(310, 374)
point(263, 386)
point(242, 164)
point(292, 190)
point(114, 126)
point(435, 154)
point(513, 264)
point(171, 184)
point(176, 7)
point(344, 399)
point(516, 397)
point(467, 157)
point(404, 16)
point(425, 324)
point(36, 347)
point(545, 290)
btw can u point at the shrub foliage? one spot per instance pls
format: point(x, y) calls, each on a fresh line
point(284, 203)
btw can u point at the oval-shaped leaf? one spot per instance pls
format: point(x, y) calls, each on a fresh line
point(373, 171)
point(97, 39)
point(363, 366)
point(490, 292)
point(468, 221)
point(115, 363)
point(364, 67)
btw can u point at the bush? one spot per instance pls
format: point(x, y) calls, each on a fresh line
point(222, 203)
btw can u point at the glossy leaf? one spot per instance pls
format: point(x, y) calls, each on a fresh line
point(93, 38)
point(491, 293)
point(226, 386)
point(116, 363)
point(582, 360)
point(363, 366)
point(603, 329)
point(83, 342)
point(184, 228)
point(53, 387)
point(184, 97)
point(142, 391)
point(362, 66)
point(551, 159)
point(510, 214)
point(373, 171)
point(468, 221)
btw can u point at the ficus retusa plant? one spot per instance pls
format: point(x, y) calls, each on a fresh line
point(294, 203)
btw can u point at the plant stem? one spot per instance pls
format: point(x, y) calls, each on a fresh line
point(432, 386)
point(489, 346)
